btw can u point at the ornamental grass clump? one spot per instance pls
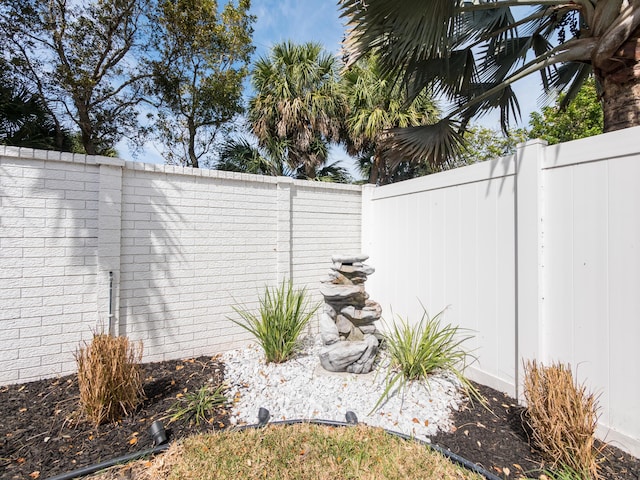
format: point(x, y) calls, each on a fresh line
point(109, 377)
point(283, 314)
point(418, 350)
point(562, 416)
point(199, 405)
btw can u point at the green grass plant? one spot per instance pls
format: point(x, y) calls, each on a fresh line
point(199, 405)
point(418, 350)
point(283, 314)
point(301, 451)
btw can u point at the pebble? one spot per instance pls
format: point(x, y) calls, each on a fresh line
point(301, 389)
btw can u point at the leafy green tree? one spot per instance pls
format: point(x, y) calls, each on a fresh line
point(482, 143)
point(472, 52)
point(298, 103)
point(581, 118)
point(377, 105)
point(75, 57)
point(203, 59)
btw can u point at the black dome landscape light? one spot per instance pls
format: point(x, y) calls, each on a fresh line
point(158, 433)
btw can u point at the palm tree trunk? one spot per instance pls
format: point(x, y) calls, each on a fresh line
point(621, 104)
point(373, 173)
point(620, 81)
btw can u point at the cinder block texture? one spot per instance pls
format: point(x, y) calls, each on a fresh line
point(183, 246)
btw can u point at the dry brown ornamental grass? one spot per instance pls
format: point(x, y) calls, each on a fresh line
point(563, 418)
point(109, 377)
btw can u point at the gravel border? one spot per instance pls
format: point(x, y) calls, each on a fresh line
point(301, 389)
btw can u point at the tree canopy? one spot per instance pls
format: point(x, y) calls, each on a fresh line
point(581, 118)
point(100, 66)
point(297, 106)
point(75, 57)
point(203, 59)
point(377, 104)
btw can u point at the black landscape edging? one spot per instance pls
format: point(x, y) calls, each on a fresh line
point(263, 416)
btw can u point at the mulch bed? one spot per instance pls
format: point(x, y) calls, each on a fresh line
point(42, 433)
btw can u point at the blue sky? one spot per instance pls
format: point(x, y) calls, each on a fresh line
point(296, 20)
point(319, 21)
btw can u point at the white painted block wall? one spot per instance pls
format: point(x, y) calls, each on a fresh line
point(48, 247)
point(183, 246)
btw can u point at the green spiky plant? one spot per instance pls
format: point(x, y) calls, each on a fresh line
point(199, 405)
point(283, 314)
point(418, 350)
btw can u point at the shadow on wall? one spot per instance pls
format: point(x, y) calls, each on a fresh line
point(48, 267)
point(193, 243)
point(155, 271)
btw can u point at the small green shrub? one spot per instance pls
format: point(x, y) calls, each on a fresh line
point(417, 351)
point(283, 315)
point(563, 418)
point(199, 405)
point(109, 377)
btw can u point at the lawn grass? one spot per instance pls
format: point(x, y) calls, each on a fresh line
point(301, 451)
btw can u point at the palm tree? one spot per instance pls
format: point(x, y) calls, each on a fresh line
point(297, 101)
point(471, 52)
point(376, 105)
point(239, 155)
point(25, 120)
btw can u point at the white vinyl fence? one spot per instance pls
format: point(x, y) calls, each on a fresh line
point(537, 254)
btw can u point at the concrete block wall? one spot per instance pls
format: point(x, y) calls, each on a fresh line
point(323, 225)
point(176, 247)
point(194, 243)
point(48, 255)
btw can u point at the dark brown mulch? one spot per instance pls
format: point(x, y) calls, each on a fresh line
point(41, 433)
point(498, 442)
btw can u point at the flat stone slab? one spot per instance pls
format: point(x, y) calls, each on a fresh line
point(340, 258)
point(332, 291)
point(355, 270)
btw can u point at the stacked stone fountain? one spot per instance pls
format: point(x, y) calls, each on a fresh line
point(347, 322)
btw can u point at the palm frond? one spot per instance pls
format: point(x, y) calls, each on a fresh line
point(471, 52)
point(372, 25)
point(569, 78)
point(434, 144)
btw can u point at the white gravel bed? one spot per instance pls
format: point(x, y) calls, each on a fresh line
point(301, 389)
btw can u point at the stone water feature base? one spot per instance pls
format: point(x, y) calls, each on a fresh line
point(347, 323)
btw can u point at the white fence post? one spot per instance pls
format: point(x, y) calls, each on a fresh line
point(528, 208)
point(109, 238)
point(366, 220)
